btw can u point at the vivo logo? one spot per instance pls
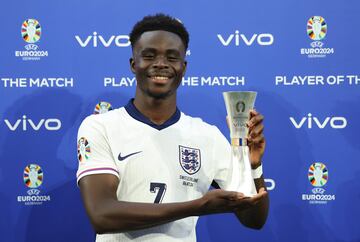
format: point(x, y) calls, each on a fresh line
point(25, 123)
point(311, 121)
point(95, 40)
point(237, 38)
point(239, 124)
point(270, 184)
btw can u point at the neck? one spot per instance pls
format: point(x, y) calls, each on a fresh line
point(157, 110)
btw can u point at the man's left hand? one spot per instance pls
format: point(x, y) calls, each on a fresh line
point(256, 139)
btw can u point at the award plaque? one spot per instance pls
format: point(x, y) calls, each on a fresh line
point(238, 105)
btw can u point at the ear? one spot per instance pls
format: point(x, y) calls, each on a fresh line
point(132, 65)
point(184, 70)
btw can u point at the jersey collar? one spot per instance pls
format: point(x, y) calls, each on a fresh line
point(136, 114)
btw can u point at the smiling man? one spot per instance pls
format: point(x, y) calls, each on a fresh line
point(145, 169)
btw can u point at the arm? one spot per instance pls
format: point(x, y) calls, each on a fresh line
point(255, 217)
point(107, 214)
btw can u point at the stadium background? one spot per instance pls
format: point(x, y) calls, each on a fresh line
point(271, 36)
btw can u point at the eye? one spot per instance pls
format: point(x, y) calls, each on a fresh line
point(173, 58)
point(148, 56)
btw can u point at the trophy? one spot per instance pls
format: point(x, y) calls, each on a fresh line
point(238, 105)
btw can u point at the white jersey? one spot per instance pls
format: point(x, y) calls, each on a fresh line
point(173, 162)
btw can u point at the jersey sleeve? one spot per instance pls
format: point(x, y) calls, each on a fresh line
point(222, 160)
point(93, 150)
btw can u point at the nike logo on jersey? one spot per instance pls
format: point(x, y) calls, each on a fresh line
point(121, 158)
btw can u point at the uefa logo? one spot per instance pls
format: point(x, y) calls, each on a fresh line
point(318, 174)
point(31, 31)
point(316, 28)
point(83, 149)
point(33, 176)
point(102, 107)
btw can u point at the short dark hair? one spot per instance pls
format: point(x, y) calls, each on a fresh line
point(159, 21)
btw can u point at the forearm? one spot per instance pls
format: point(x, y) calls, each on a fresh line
point(118, 216)
point(255, 216)
point(108, 215)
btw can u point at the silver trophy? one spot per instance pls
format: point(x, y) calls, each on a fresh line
point(238, 105)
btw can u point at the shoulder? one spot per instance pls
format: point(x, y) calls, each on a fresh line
point(103, 120)
point(199, 125)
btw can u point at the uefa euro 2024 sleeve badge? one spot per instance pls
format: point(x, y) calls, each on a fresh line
point(102, 107)
point(83, 149)
point(190, 159)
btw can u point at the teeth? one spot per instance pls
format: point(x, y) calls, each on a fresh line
point(161, 77)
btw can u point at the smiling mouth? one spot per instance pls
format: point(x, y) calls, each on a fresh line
point(159, 79)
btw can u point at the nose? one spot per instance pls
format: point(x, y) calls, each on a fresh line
point(161, 62)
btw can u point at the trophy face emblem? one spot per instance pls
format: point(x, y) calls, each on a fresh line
point(240, 106)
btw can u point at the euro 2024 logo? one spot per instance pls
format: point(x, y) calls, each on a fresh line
point(316, 29)
point(318, 176)
point(33, 178)
point(31, 31)
point(31, 34)
point(102, 107)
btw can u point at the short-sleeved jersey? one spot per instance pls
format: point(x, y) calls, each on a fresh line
point(173, 162)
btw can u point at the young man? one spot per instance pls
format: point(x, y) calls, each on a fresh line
point(145, 169)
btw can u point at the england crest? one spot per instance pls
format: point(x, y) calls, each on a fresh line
point(190, 159)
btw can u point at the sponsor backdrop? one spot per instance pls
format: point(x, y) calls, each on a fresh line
point(63, 60)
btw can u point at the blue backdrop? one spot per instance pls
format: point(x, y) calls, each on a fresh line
point(59, 59)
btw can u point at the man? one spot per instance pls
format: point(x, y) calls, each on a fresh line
point(145, 169)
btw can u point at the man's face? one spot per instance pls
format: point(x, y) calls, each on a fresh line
point(158, 63)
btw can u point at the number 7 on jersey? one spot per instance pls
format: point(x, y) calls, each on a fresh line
point(160, 188)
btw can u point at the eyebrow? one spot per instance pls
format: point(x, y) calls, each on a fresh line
point(169, 51)
point(148, 50)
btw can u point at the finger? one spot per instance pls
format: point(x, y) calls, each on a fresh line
point(247, 202)
point(257, 198)
point(231, 195)
point(262, 189)
point(257, 140)
point(255, 120)
point(256, 131)
point(253, 112)
point(241, 196)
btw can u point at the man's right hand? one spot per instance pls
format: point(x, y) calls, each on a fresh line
point(221, 201)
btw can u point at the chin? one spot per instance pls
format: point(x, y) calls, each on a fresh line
point(159, 95)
